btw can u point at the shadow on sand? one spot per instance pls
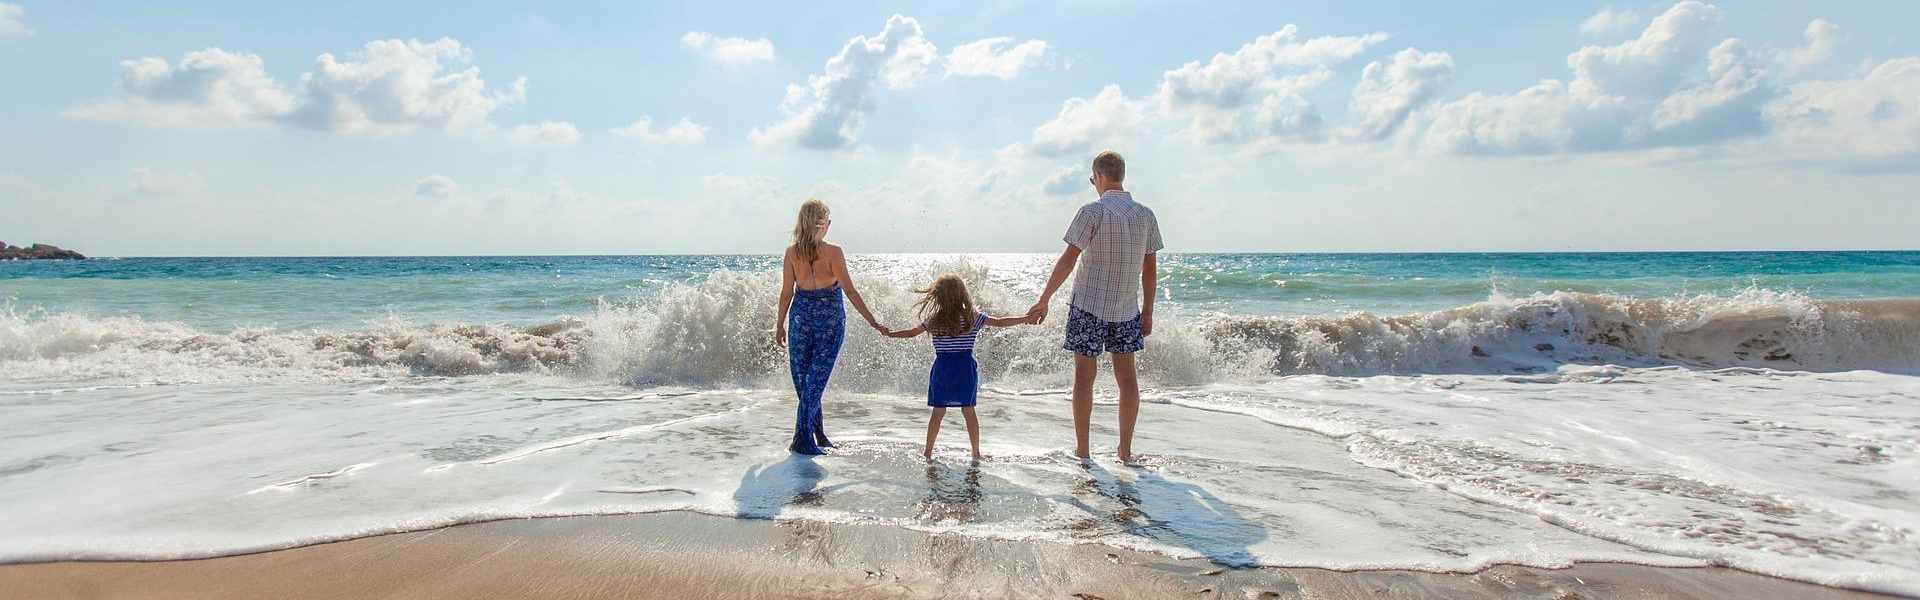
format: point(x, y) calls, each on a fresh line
point(765, 491)
point(1175, 513)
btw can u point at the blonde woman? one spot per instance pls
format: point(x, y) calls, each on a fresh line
point(811, 323)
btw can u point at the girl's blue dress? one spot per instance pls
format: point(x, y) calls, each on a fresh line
point(955, 378)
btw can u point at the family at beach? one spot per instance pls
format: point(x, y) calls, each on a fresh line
point(1110, 251)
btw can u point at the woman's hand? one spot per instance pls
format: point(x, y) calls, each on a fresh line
point(780, 335)
point(880, 328)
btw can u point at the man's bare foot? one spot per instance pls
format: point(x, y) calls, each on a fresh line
point(978, 457)
point(927, 454)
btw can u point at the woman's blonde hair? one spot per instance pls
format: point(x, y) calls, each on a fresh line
point(806, 229)
point(947, 308)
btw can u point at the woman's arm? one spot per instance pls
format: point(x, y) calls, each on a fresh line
point(853, 295)
point(917, 330)
point(786, 298)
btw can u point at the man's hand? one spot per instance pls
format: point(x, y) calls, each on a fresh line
point(1146, 324)
point(1038, 314)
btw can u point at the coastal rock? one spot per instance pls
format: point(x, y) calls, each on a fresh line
point(38, 252)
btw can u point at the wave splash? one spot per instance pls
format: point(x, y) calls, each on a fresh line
point(718, 332)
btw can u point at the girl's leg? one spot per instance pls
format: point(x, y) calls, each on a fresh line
point(973, 430)
point(933, 430)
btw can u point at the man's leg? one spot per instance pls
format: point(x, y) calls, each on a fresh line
point(1129, 384)
point(1084, 368)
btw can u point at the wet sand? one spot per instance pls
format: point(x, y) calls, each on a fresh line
point(683, 555)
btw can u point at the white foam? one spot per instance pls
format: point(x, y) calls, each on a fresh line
point(1791, 474)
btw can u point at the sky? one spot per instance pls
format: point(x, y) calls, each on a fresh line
point(215, 128)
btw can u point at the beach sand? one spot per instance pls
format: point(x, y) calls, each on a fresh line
point(684, 555)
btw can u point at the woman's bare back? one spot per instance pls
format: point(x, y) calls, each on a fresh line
point(817, 275)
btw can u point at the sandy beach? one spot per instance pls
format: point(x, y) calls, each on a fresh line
point(683, 555)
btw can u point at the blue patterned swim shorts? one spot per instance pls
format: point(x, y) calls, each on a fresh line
point(1088, 335)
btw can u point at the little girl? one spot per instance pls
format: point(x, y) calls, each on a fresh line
point(947, 313)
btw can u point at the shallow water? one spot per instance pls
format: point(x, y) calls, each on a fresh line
point(1664, 411)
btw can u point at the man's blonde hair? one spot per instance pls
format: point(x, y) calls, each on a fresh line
point(1110, 164)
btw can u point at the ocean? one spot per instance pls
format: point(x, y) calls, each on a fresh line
point(1439, 412)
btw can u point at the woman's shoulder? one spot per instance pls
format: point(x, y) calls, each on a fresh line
point(827, 249)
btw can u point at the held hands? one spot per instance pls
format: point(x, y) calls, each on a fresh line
point(1037, 314)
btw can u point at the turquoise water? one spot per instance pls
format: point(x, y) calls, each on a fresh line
point(1431, 412)
point(348, 293)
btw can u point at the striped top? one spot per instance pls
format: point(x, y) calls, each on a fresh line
point(959, 344)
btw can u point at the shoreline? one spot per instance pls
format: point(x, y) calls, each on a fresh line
point(689, 555)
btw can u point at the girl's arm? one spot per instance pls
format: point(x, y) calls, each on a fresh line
point(907, 333)
point(786, 298)
point(1008, 321)
point(853, 295)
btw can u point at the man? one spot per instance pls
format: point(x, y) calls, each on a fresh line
point(1114, 240)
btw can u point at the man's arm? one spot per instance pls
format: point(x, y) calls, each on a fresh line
point(1061, 268)
point(1148, 279)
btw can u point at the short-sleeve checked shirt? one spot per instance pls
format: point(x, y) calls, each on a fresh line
point(1114, 235)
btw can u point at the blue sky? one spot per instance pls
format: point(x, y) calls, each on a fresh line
point(239, 128)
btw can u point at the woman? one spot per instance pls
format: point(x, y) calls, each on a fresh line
point(811, 323)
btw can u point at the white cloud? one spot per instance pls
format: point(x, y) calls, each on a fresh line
point(208, 89)
point(1651, 64)
point(1733, 90)
point(1084, 124)
point(684, 132)
point(990, 57)
point(147, 182)
point(1608, 21)
point(392, 86)
point(830, 111)
point(1821, 36)
point(1239, 97)
point(558, 192)
point(1541, 119)
point(1877, 116)
point(397, 86)
point(1388, 94)
point(437, 186)
point(1631, 95)
point(13, 21)
point(1068, 180)
point(731, 52)
point(545, 133)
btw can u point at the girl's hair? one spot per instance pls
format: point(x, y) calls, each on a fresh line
point(947, 308)
point(806, 229)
